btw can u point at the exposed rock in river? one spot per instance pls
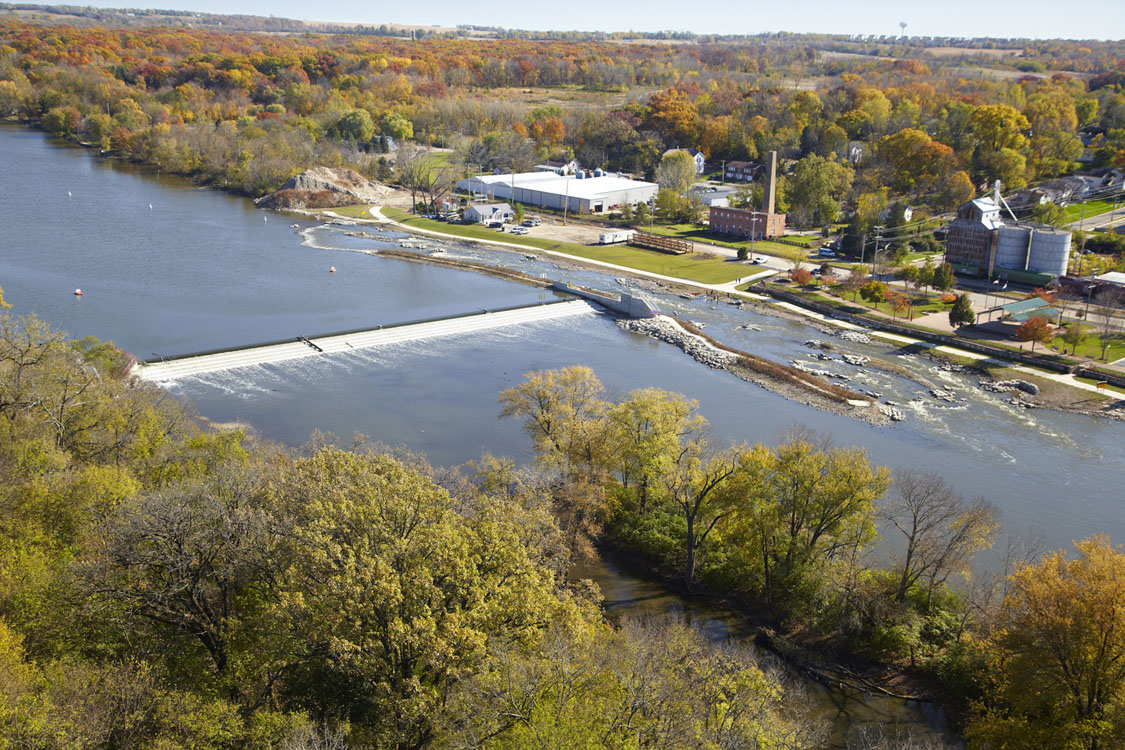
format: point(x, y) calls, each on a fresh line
point(325, 187)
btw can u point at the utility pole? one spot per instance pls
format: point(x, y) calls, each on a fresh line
point(566, 201)
point(723, 172)
point(878, 236)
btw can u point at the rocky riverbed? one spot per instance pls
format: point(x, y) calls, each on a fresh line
point(697, 347)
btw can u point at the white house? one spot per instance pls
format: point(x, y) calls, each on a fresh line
point(484, 213)
point(558, 167)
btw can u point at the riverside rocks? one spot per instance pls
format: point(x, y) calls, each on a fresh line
point(856, 360)
point(854, 337)
point(943, 395)
point(1010, 386)
point(667, 330)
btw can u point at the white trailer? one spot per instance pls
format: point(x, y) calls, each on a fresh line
point(609, 238)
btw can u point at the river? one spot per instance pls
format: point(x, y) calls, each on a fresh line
point(202, 269)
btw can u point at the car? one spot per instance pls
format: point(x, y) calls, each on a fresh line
point(532, 222)
point(496, 225)
point(519, 230)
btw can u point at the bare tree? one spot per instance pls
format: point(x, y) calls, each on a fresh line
point(1106, 307)
point(942, 531)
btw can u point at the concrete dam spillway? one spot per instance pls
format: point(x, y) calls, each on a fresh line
point(168, 369)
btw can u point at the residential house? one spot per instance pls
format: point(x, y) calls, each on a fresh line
point(697, 156)
point(741, 171)
point(486, 213)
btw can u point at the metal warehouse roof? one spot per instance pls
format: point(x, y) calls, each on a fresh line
point(548, 182)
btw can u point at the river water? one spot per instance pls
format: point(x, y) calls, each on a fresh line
point(201, 269)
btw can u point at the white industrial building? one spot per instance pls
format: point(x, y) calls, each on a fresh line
point(597, 194)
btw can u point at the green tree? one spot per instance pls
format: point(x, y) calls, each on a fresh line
point(874, 291)
point(800, 508)
point(1056, 675)
point(356, 125)
point(999, 126)
point(396, 126)
point(816, 189)
point(1074, 335)
point(676, 172)
point(1050, 213)
point(961, 314)
point(943, 277)
point(394, 597)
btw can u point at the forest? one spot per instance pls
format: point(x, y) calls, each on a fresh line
point(890, 121)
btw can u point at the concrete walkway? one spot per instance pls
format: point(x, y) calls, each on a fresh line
point(729, 288)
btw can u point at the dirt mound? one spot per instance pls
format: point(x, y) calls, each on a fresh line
point(325, 187)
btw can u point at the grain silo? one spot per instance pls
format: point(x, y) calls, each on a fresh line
point(1011, 247)
point(1050, 251)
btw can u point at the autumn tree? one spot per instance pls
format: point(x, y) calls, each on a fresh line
point(1056, 674)
point(1074, 335)
point(854, 281)
point(1035, 329)
point(874, 291)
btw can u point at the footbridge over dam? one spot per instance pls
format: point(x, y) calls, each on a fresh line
point(173, 368)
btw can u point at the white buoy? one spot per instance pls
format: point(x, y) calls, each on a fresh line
point(67, 193)
point(265, 218)
point(77, 292)
point(332, 269)
point(150, 207)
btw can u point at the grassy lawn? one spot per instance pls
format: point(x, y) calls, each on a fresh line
point(1091, 347)
point(1109, 388)
point(1093, 208)
point(705, 270)
point(697, 233)
point(354, 212)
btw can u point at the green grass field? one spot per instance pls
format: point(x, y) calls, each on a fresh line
point(1091, 347)
point(1092, 208)
point(705, 270)
point(696, 233)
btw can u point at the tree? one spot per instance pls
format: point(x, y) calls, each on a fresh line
point(803, 276)
point(999, 126)
point(393, 597)
point(1074, 335)
point(816, 189)
point(900, 304)
point(676, 172)
point(941, 530)
point(700, 488)
point(356, 125)
point(398, 127)
point(1056, 674)
point(943, 278)
point(799, 508)
point(1051, 213)
point(1105, 306)
point(650, 431)
point(961, 314)
point(874, 292)
point(1035, 329)
point(854, 281)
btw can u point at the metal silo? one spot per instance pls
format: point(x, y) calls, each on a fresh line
point(1050, 252)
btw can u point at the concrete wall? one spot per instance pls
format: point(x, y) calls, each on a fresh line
point(627, 305)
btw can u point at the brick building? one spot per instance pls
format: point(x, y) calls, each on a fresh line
point(743, 222)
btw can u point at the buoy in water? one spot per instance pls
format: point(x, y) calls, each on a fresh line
point(68, 194)
point(265, 218)
point(77, 292)
point(150, 207)
point(332, 269)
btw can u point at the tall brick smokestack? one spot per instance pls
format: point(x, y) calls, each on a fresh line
point(769, 195)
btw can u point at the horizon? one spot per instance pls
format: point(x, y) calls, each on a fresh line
point(1007, 19)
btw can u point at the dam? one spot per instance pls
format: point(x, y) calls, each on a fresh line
point(172, 368)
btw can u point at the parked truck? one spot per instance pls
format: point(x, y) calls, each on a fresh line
point(609, 238)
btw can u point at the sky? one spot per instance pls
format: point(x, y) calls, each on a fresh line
point(1085, 19)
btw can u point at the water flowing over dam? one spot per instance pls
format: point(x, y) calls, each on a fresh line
point(167, 369)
